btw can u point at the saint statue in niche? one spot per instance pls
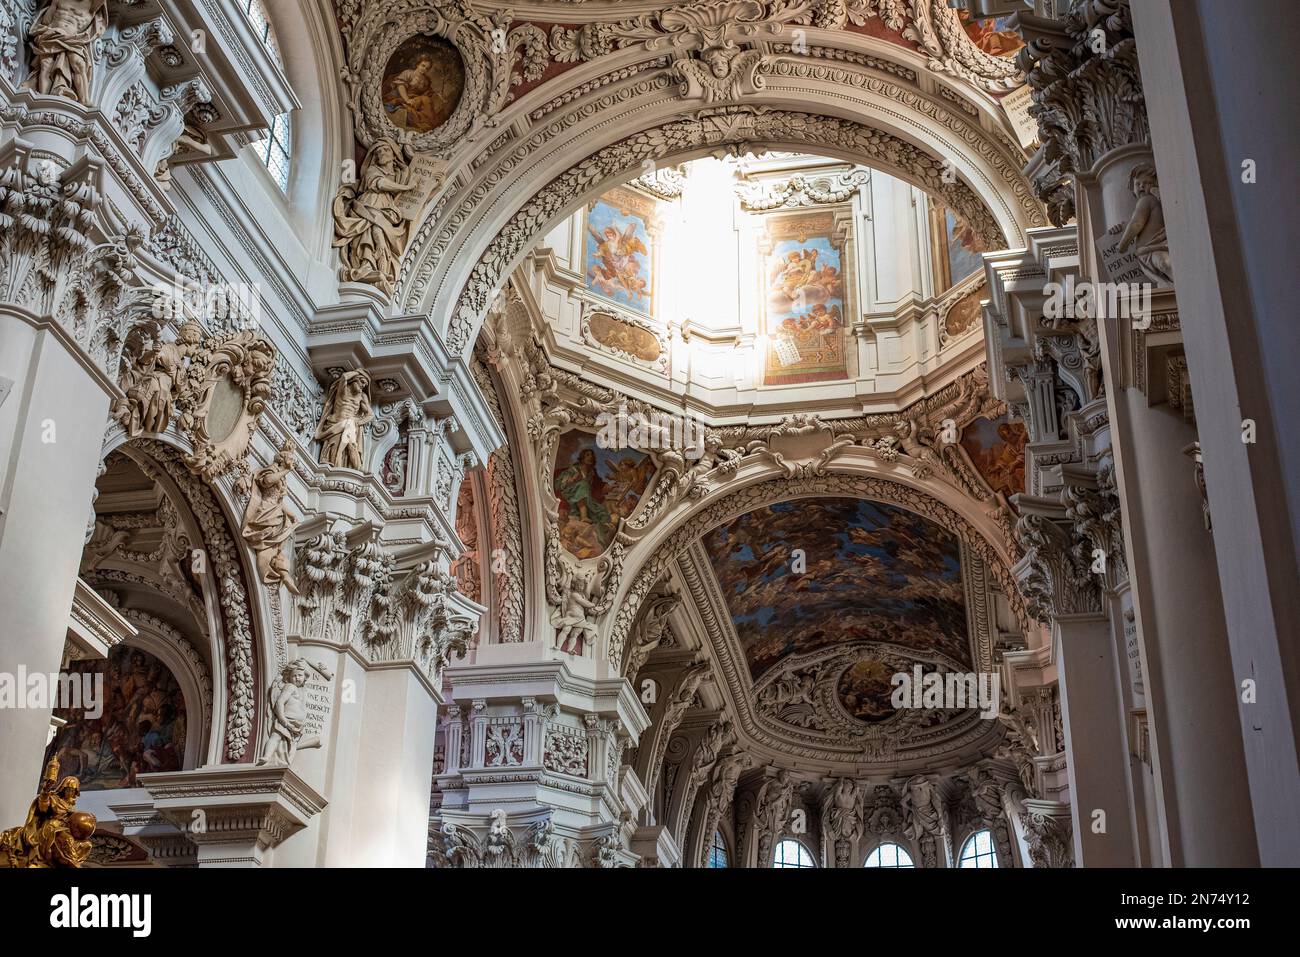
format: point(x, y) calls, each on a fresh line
point(63, 39)
point(347, 410)
point(370, 230)
point(423, 83)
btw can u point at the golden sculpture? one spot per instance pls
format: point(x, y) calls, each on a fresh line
point(55, 834)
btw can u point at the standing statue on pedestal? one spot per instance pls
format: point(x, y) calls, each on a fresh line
point(55, 834)
point(370, 230)
point(347, 409)
point(268, 524)
point(63, 38)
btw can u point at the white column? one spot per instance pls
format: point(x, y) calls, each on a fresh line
point(51, 430)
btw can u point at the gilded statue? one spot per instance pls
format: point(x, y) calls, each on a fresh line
point(55, 833)
point(347, 410)
point(63, 39)
point(268, 524)
point(370, 231)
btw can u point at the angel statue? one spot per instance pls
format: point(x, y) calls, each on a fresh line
point(289, 713)
point(55, 833)
point(268, 524)
point(347, 409)
point(1145, 230)
point(370, 231)
point(574, 629)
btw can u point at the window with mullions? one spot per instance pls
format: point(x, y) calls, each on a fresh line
point(274, 151)
point(889, 855)
point(792, 854)
point(978, 851)
point(718, 851)
point(256, 14)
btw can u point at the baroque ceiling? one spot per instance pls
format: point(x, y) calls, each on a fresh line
point(814, 573)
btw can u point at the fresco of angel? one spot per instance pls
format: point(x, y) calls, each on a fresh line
point(618, 265)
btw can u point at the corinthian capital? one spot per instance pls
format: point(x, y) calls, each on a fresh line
point(1055, 575)
point(1087, 91)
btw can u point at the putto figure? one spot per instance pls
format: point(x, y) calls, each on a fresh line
point(347, 410)
point(289, 713)
point(55, 833)
point(63, 37)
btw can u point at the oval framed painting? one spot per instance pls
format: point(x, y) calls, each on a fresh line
point(423, 83)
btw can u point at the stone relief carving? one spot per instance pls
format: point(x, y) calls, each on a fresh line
point(681, 701)
point(1145, 230)
point(289, 713)
point(924, 816)
point(267, 522)
point(1087, 101)
point(341, 429)
point(1050, 834)
point(223, 557)
point(495, 59)
point(456, 845)
point(772, 817)
point(576, 605)
point(651, 629)
point(800, 191)
point(215, 386)
point(507, 529)
point(722, 791)
point(358, 595)
point(52, 262)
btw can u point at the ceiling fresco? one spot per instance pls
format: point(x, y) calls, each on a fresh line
point(997, 449)
point(870, 572)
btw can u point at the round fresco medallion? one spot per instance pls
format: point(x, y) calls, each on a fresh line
point(423, 83)
point(865, 690)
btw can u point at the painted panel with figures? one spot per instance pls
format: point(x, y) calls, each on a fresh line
point(805, 301)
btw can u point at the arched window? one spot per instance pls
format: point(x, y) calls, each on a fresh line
point(256, 14)
point(274, 151)
point(889, 855)
point(792, 854)
point(978, 851)
point(718, 851)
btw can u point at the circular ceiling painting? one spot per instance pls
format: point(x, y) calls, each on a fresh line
point(423, 83)
point(866, 688)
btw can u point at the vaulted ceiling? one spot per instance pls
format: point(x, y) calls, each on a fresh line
point(804, 575)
